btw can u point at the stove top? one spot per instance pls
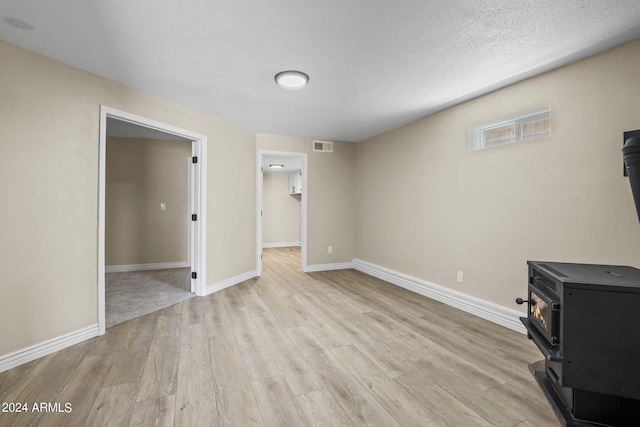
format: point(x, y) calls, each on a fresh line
point(593, 274)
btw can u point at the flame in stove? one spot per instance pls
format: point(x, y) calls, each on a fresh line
point(537, 314)
point(537, 310)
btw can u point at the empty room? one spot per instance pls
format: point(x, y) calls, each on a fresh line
point(371, 213)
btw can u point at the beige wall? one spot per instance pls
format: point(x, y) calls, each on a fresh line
point(428, 207)
point(281, 217)
point(141, 174)
point(330, 203)
point(49, 122)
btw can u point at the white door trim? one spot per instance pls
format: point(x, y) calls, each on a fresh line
point(191, 209)
point(303, 208)
point(198, 239)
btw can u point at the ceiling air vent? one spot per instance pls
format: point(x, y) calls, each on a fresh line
point(325, 146)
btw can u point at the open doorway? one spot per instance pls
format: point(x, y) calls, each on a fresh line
point(147, 264)
point(140, 148)
point(282, 203)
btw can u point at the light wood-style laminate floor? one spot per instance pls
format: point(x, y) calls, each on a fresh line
point(333, 348)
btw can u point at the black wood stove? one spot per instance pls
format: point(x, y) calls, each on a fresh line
point(585, 319)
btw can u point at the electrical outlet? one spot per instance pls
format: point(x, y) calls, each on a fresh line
point(163, 206)
point(330, 249)
point(460, 277)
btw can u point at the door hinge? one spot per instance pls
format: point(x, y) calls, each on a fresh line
point(194, 159)
point(194, 275)
point(194, 217)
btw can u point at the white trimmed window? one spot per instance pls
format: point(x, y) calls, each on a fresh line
point(517, 129)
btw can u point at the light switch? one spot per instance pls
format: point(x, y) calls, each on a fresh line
point(163, 206)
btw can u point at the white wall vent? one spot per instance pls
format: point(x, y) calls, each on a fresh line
point(324, 146)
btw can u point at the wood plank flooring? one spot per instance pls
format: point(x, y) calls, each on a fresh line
point(335, 348)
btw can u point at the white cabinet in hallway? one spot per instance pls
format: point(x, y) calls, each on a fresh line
point(295, 182)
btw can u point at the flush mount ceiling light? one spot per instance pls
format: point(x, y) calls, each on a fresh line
point(292, 79)
point(18, 23)
point(276, 166)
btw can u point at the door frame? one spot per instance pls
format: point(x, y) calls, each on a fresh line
point(303, 207)
point(198, 234)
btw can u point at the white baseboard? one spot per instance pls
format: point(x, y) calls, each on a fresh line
point(144, 267)
point(231, 281)
point(328, 267)
point(478, 307)
point(28, 354)
point(281, 244)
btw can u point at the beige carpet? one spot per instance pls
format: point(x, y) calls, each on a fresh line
point(133, 294)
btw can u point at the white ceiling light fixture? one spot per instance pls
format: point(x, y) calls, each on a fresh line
point(276, 166)
point(18, 23)
point(292, 79)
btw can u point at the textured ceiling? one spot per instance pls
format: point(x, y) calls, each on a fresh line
point(373, 65)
